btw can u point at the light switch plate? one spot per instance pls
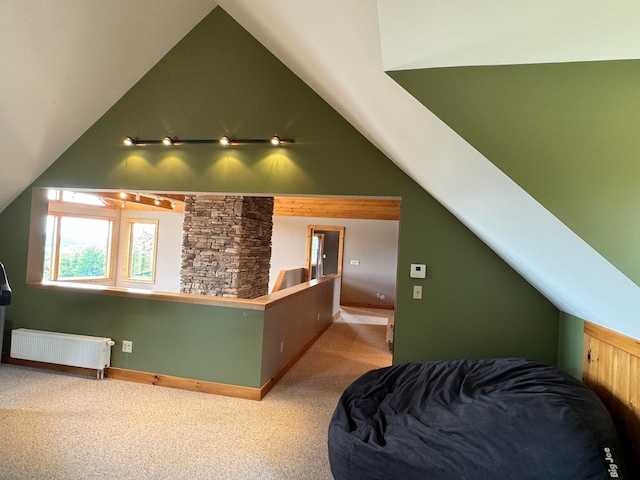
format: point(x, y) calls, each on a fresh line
point(418, 270)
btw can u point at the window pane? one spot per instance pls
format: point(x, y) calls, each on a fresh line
point(84, 198)
point(53, 194)
point(142, 248)
point(84, 248)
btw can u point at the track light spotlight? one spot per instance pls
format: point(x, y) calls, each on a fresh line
point(225, 140)
point(129, 141)
point(275, 140)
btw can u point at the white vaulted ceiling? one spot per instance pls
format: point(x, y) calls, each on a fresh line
point(64, 66)
point(64, 63)
point(430, 34)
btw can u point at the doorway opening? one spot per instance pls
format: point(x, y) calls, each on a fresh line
point(325, 247)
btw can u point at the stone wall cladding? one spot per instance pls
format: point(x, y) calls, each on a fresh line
point(226, 245)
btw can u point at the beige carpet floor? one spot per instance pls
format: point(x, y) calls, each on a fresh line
point(56, 426)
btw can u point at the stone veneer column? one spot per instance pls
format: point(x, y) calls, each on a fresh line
point(226, 245)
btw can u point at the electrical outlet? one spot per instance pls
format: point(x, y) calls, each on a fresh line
point(127, 346)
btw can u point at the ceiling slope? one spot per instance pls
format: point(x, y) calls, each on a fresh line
point(335, 48)
point(431, 33)
point(65, 63)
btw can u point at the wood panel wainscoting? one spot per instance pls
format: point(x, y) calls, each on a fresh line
point(611, 365)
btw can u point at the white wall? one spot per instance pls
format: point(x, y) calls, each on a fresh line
point(374, 243)
point(169, 253)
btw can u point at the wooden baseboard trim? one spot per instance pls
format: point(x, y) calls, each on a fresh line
point(228, 390)
point(269, 384)
point(88, 372)
point(115, 373)
point(367, 305)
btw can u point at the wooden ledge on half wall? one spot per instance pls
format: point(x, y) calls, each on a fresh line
point(259, 303)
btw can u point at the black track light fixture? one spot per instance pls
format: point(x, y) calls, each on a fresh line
point(224, 140)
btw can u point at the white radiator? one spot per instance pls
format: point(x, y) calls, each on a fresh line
point(62, 348)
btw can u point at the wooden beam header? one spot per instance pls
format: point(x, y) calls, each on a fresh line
point(366, 209)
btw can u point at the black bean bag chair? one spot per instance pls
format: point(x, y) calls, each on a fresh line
point(472, 419)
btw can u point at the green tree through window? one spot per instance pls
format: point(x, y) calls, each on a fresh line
point(83, 262)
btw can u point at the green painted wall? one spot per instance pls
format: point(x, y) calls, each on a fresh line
point(570, 344)
point(219, 80)
point(566, 133)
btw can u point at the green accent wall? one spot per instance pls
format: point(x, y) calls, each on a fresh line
point(566, 133)
point(220, 81)
point(571, 344)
